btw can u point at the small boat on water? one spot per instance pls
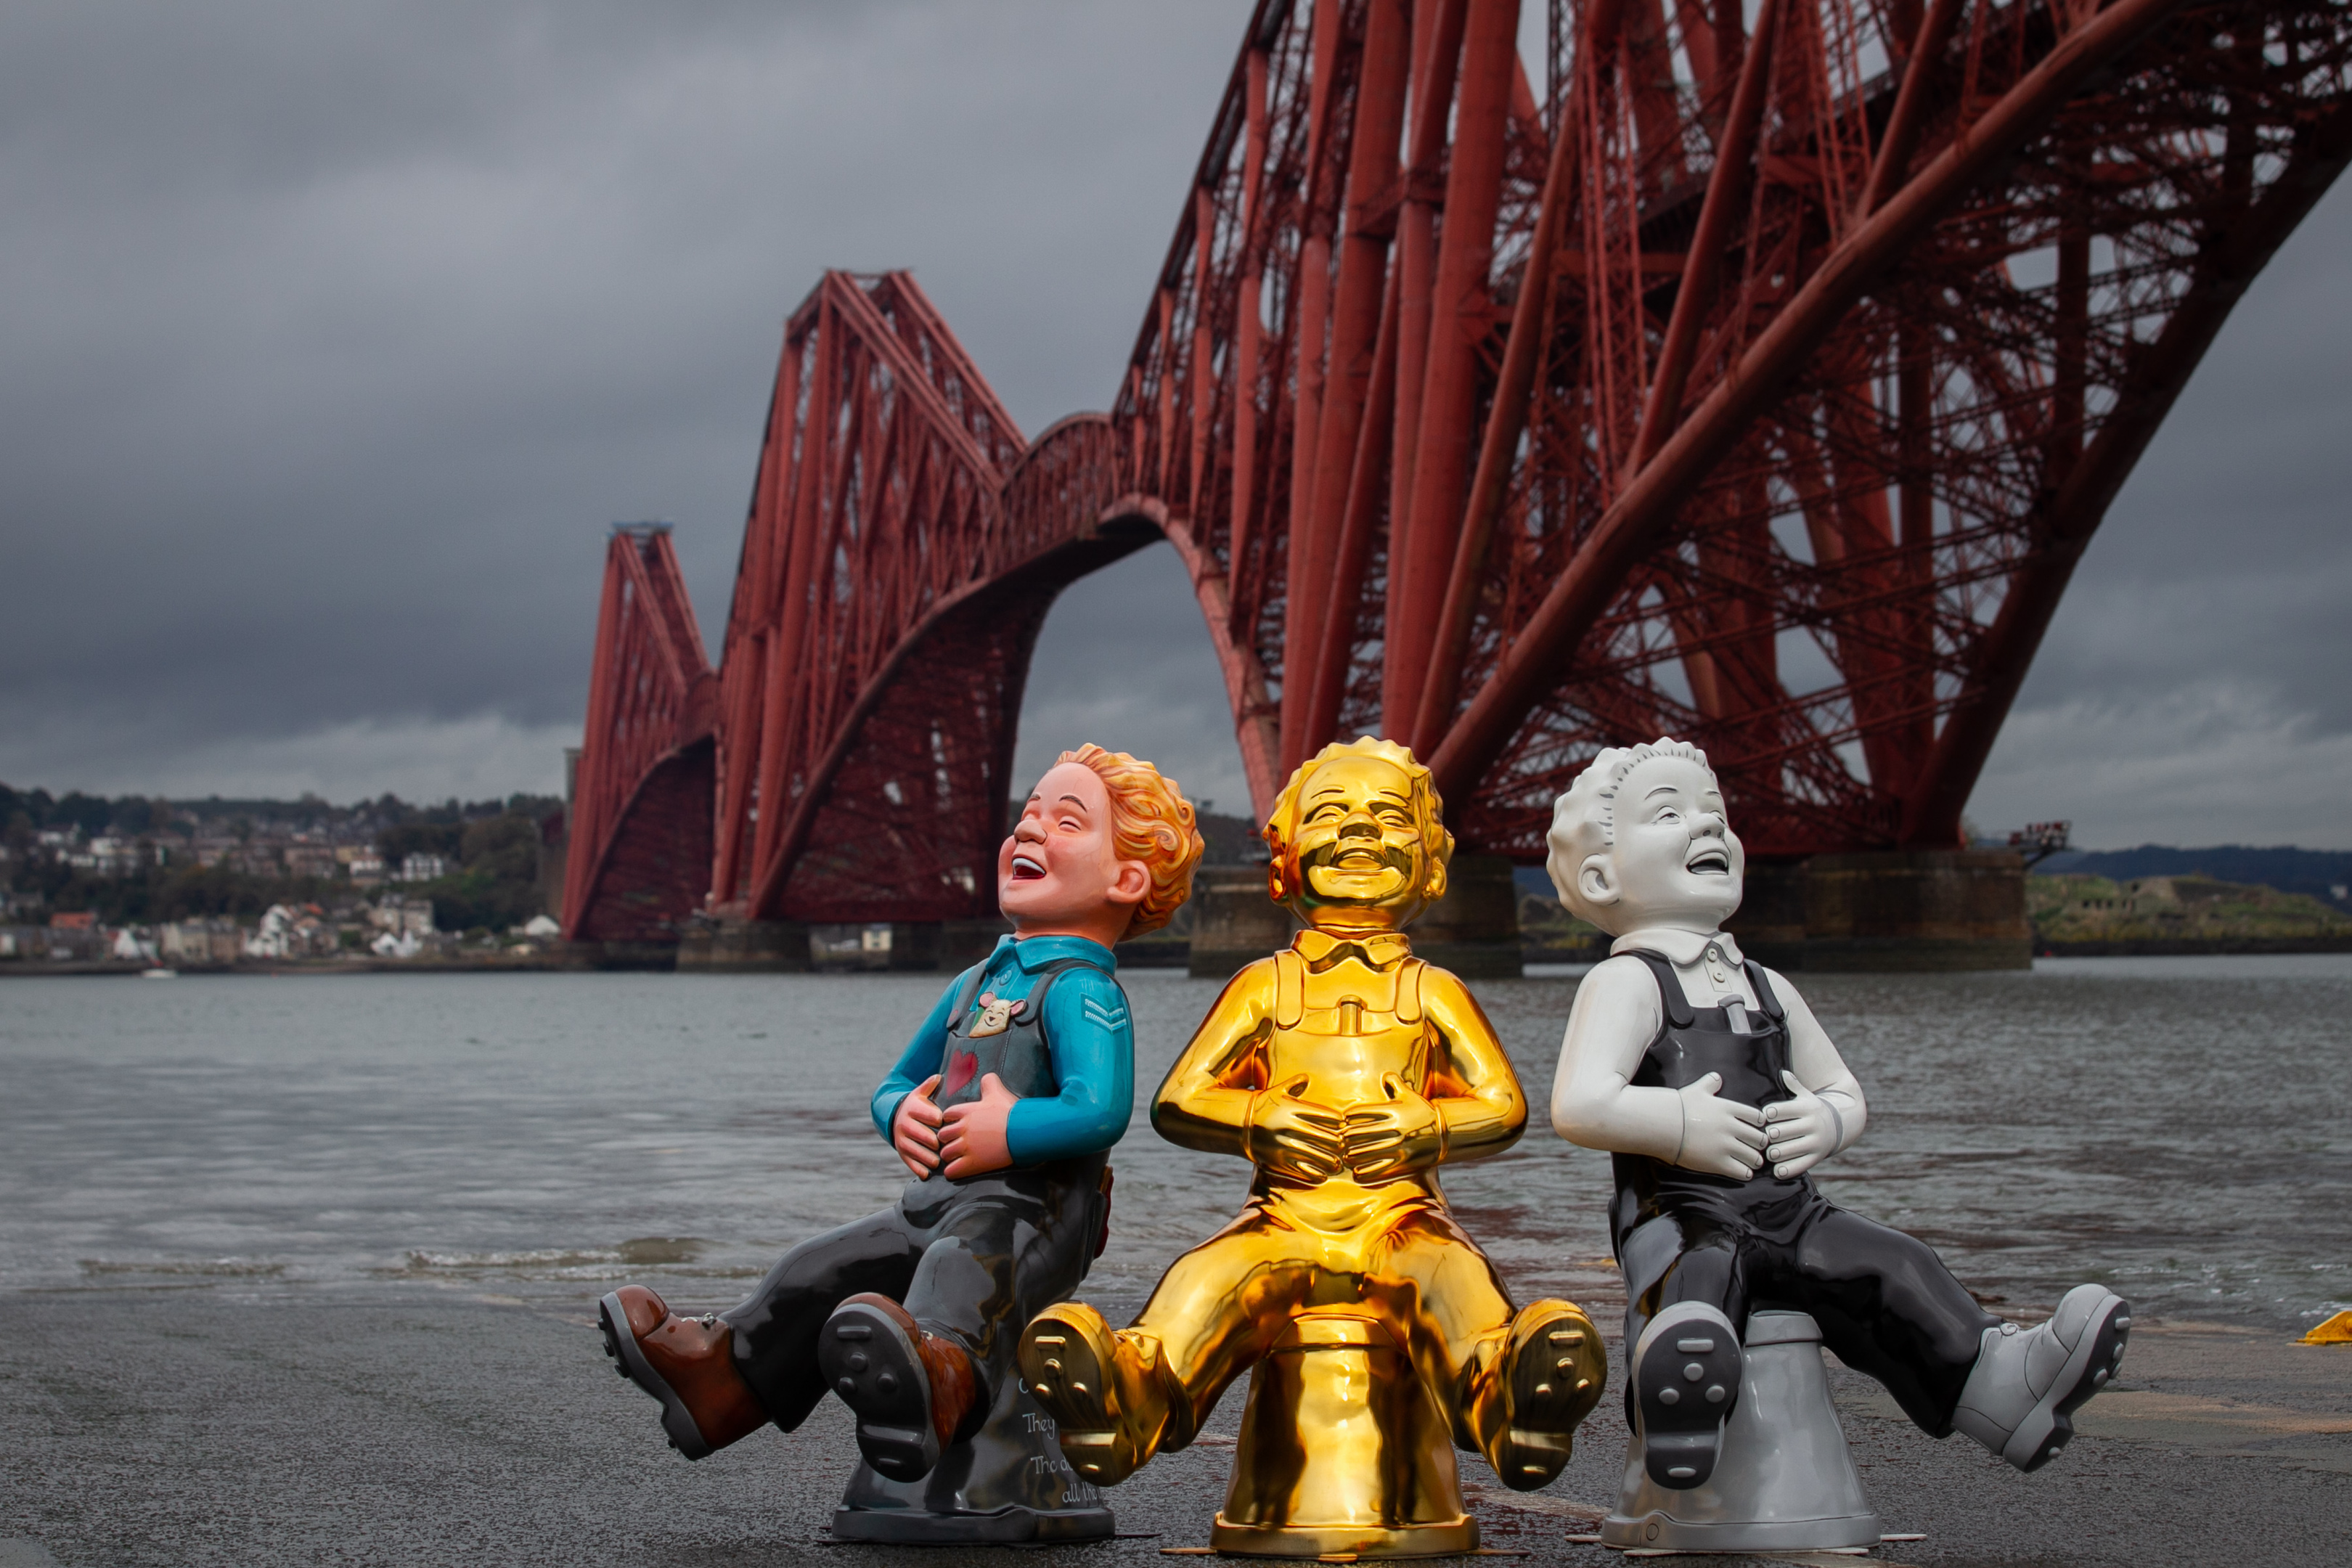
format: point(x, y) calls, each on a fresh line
point(159, 974)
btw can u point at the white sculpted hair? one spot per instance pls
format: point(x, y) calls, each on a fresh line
point(1584, 820)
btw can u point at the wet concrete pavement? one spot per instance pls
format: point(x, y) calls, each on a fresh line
point(168, 1426)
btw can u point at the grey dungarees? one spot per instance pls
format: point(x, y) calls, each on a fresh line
point(1885, 1303)
point(973, 1259)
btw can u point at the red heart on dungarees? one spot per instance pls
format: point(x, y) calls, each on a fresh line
point(961, 1066)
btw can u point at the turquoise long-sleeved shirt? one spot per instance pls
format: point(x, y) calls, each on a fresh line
point(1089, 1035)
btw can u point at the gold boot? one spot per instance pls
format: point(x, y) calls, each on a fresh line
point(1105, 1391)
point(1528, 1405)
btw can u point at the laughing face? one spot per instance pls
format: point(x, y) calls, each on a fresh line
point(1359, 849)
point(1059, 871)
point(1674, 860)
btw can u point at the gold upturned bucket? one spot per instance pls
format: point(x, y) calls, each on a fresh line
point(1343, 1451)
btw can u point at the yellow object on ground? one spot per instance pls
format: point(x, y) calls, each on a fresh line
point(2336, 1331)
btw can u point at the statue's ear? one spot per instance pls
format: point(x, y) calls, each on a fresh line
point(1132, 885)
point(1433, 886)
point(1596, 881)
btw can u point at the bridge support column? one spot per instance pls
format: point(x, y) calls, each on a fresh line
point(1916, 910)
point(1234, 922)
point(1473, 930)
point(745, 947)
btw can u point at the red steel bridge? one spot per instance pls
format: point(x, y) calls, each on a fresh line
point(1752, 371)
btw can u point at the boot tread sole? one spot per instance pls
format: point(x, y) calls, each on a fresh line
point(1683, 1437)
point(2050, 1425)
point(872, 1363)
point(621, 1344)
point(1556, 1377)
point(1068, 1377)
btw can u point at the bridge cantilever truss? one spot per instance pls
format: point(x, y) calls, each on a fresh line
point(1756, 375)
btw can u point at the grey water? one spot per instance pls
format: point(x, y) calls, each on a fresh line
point(2175, 1128)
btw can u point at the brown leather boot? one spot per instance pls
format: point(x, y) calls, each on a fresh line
point(913, 1393)
point(687, 1363)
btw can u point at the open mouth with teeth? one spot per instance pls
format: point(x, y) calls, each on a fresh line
point(1713, 863)
point(1027, 868)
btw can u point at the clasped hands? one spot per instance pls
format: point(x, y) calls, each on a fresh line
point(970, 1138)
point(1728, 1138)
point(1315, 1142)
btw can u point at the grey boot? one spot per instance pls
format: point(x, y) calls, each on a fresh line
point(2021, 1398)
point(1686, 1374)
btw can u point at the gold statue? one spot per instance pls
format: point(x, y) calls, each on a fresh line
point(1346, 1070)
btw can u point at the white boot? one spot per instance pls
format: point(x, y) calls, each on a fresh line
point(2028, 1383)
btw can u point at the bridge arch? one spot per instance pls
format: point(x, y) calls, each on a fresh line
point(1519, 418)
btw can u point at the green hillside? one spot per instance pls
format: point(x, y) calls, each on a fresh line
point(2088, 908)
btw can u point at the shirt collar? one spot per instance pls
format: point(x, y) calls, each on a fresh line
point(1680, 946)
point(1033, 953)
point(1375, 949)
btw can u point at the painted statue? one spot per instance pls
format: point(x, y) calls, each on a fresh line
point(1716, 1091)
point(1347, 1071)
point(1002, 1109)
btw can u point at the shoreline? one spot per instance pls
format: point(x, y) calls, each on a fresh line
point(1160, 959)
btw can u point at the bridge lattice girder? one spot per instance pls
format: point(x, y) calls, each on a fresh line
point(1766, 397)
point(1759, 380)
point(639, 854)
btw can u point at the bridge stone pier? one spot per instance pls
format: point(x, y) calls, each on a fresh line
point(745, 947)
point(1904, 909)
point(1234, 922)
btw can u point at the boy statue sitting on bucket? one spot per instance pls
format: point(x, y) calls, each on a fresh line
point(1001, 1109)
point(1347, 1071)
point(1710, 1081)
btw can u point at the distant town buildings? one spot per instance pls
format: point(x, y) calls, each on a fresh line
point(211, 883)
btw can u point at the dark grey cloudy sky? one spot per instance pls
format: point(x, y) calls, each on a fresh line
point(335, 335)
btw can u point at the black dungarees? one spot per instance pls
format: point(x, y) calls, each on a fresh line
point(972, 1259)
point(1885, 1303)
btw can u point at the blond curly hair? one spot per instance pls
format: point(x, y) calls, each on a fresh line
point(1152, 822)
point(1282, 825)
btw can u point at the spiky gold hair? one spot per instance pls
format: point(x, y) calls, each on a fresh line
point(1282, 825)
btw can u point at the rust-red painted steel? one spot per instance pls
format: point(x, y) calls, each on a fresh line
point(1647, 502)
point(1780, 464)
point(640, 831)
point(1763, 390)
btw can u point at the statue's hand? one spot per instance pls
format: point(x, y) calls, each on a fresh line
point(1800, 1132)
point(972, 1137)
point(1404, 1133)
point(1297, 1137)
point(1722, 1137)
point(915, 1129)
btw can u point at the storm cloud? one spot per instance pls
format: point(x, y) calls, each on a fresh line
point(336, 336)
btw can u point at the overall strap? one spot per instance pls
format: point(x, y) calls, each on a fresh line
point(1407, 991)
point(1672, 999)
point(1289, 988)
point(966, 988)
point(1033, 1006)
point(1769, 1003)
